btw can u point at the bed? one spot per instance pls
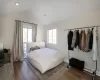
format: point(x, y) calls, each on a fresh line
point(45, 59)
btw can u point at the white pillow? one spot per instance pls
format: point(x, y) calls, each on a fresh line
point(33, 44)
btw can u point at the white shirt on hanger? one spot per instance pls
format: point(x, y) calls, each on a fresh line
point(95, 47)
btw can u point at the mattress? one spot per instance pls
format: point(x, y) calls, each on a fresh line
point(45, 59)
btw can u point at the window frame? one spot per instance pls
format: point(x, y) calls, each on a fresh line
point(25, 49)
point(52, 37)
point(28, 27)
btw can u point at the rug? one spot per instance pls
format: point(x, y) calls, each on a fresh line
point(53, 74)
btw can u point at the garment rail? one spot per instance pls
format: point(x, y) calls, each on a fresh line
point(82, 28)
point(94, 72)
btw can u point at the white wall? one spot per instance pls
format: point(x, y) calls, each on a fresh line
point(7, 25)
point(83, 20)
point(7, 31)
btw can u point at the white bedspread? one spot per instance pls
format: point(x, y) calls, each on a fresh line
point(45, 59)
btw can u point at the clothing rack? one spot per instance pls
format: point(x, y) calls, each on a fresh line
point(82, 28)
point(94, 73)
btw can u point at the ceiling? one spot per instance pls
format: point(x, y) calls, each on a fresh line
point(49, 11)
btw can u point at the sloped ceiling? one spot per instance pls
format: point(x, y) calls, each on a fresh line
point(49, 11)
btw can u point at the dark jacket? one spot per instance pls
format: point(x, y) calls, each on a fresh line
point(70, 36)
point(87, 40)
point(91, 40)
point(77, 39)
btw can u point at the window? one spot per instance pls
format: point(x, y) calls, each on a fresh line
point(27, 37)
point(24, 34)
point(52, 35)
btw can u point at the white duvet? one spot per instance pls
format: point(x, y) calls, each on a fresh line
point(45, 59)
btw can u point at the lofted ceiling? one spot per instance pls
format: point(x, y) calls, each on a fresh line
point(49, 11)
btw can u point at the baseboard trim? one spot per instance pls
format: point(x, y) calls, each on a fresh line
point(98, 73)
point(91, 71)
point(87, 69)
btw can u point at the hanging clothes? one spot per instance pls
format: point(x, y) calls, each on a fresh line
point(80, 35)
point(95, 47)
point(91, 40)
point(77, 39)
point(83, 41)
point(87, 40)
point(74, 39)
point(70, 36)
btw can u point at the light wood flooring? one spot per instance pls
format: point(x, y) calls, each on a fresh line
point(24, 72)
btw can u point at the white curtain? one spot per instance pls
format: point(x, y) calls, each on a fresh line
point(18, 42)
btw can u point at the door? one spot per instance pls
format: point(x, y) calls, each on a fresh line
point(27, 37)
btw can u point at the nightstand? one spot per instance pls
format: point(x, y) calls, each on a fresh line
point(1, 63)
point(1, 58)
point(7, 57)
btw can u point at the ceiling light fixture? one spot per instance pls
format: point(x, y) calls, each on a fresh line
point(17, 3)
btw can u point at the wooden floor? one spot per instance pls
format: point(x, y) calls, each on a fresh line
point(24, 72)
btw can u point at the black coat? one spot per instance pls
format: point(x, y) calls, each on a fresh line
point(91, 40)
point(70, 36)
point(77, 42)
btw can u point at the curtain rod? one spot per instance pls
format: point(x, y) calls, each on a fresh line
point(82, 28)
point(27, 22)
